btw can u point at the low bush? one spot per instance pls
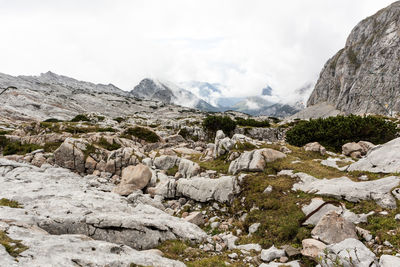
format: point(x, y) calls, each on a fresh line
point(12, 148)
point(80, 117)
point(333, 132)
point(52, 120)
point(212, 124)
point(106, 145)
point(141, 133)
point(252, 122)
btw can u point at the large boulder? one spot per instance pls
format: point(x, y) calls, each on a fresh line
point(312, 248)
point(272, 253)
point(62, 202)
point(345, 188)
point(255, 160)
point(133, 178)
point(70, 154)
point(315, 147)
point(202, 189)
point(166, 162)
point(188, 168)
point(333, 228)
point(348, 253)
point(222, 144)
point(44, 249)
point(352, 149)
point(389, 261)
point(380, 159)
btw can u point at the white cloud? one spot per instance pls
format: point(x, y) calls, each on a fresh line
point(243, 44)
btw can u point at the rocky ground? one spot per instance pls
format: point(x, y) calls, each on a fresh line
point(135, 191)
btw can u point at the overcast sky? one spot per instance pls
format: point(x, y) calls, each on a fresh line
point(244, 44)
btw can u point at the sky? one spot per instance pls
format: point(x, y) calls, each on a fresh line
point(243, 44)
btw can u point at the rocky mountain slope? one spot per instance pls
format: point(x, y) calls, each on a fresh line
point(167, 92)
point(363, 76)
point(54, 96)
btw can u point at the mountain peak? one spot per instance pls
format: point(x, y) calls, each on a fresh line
point(267, 91)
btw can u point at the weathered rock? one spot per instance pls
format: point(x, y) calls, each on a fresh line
point(315, 147)
point(389, 261)
point(253, 228)
point(222, 144)
point(366, 147)
point(175, 139)
point(380, 159)
point(195, 217)
point(348, 253)
point(62, 202)
point(312, 248)
point(332, 228)
point(133, 178)
point(166, 162)
point(348, 80)
point(350, 148)
point(72, 250)
point(268, 134)
point(344, 188)
point(271, 254)
point(70, 154)
point(5, 258)
point(90, 165)
point(202, 189)
point(346, 214)
point(188, 168)
point(255, 160)
point(279, 264)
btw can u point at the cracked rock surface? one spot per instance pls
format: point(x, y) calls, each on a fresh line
point(62, 202)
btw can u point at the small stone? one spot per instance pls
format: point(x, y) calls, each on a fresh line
point(233, 256)
point(272, 253)
point(214, 225)
point(268, 190)
point(253, 228)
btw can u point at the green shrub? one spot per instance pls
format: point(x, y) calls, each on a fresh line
point(172, 171)
point(3, 132)
point(333, 132)
point(212, 124)
point(52, 120)
point(12, 148)
point(251, 122)
point(9, 203)
point(80, 117)
point(105, 144)
point(184, 133)
point(141, 133)
point(51, 146)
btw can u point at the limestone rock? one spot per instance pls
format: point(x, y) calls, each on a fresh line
point(62, 202)
point(71, 250)
point(344, 188)
point(348, 253)
point(202, 189)
point(166, 162)
point(389, 261)
point(367, 61)
point(133, 178)
point(332, 228)
point(255, 160)
point(188, 168)
point(312, 248)
point(380, 159)
point(278, 264)
point(350, 148)
point(222, 144)
point(315, 147)
point(70, 155)
point(195, 217)
point(271, 254)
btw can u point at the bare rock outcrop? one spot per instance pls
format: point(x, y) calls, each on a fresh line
point(362, 77)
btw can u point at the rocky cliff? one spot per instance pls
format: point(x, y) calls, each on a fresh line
point(364, 77)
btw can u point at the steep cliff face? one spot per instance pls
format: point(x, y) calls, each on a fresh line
point(364, 77)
